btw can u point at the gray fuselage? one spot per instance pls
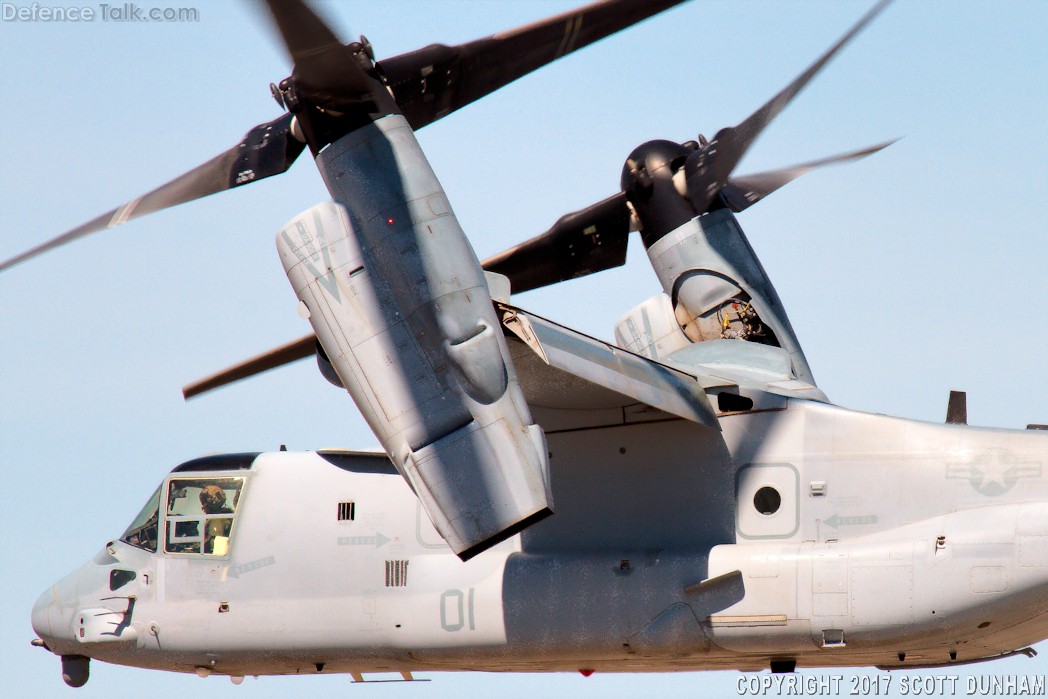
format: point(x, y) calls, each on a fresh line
point(890, 537)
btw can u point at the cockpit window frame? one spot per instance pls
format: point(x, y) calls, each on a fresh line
point(208, 522)
point(142, 520)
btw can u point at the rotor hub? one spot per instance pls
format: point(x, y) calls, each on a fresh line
point(648, 181)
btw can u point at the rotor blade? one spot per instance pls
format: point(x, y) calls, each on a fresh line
point(285, 354)
point(708, 168)
point(304, 33)
point(267, 149)
point(326, 70)
point(579, 243)
point(432, 82)
point(743, 192)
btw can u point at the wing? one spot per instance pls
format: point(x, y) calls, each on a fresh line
point(563, 369)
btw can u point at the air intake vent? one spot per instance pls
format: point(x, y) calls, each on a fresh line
point(347, 511)
point(396, 573)
point(733, 403)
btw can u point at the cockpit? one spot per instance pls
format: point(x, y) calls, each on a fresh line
point(199, 509)
point(97, 610)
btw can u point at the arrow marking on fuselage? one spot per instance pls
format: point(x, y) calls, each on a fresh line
point(236, 571)
point(836, 521)
point(377, 540)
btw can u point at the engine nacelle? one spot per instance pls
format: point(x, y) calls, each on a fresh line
point(402, 309)
point(718, 288)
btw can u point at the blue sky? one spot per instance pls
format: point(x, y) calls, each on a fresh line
point(916, 271)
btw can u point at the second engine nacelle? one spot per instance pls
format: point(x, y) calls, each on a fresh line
point(718, 288)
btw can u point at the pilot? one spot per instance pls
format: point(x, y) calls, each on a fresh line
point(216, 530)
point(213, 501)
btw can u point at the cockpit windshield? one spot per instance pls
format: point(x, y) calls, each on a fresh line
point(143, 531)
point(200, 514)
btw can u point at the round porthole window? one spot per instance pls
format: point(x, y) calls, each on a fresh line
point(767, 500)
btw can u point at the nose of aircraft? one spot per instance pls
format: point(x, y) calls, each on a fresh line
point(52, 621)
point(53, 615)
point(41, 616)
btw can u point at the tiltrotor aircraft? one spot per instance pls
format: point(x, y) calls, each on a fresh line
point(712, 508)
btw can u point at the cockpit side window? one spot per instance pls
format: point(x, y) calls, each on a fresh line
point(200, 513)
point(143, 530)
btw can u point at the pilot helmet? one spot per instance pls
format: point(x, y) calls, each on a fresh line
point(212, 498)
